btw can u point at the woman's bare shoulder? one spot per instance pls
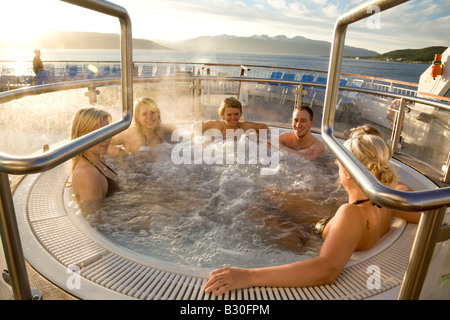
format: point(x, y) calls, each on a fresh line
point(212, 124)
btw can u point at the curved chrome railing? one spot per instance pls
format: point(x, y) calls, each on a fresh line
point(48, 160)
point(429, 230)
point(24, 165)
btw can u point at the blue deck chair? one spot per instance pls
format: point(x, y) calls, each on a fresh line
point(4, 83)
point(319, 92)
point(307, 78)
point(116, 71)
point(73, 73)
point(59, 74)
point(350, 96)
point(308, 89)
point(288, 77)
point(273, 86)
point(42, 77)
point(287, 88)
point(161, 71)
point(342, 83)
point(276, 75)
point(346, 104)
point(105, 72)
point(147, 71)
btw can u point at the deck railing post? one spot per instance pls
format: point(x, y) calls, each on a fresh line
point(446, 177)
point(421, 254)
point(11, 242)
point(197, 96)
point(398, 126)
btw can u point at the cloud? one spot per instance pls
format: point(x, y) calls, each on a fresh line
point(331, 11)
point(416, 23)
point(293, 9)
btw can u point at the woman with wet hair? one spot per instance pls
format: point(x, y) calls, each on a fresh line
point(91, 178)
point(145, 132)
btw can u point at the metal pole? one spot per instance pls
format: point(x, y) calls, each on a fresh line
point(422, 251)
point(446, 178)
point(398, 125)
point(197, 96)
point(11, 242)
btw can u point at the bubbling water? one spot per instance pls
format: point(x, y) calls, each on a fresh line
point(201, 215)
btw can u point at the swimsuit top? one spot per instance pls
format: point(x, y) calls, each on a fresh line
point(224, 133)
point(320, 226)
point(113, 185)
point(148, 148)
point(364, 200)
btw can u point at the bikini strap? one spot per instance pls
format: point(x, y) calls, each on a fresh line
point(360, 201)
point(98, 167)
point(364, 200)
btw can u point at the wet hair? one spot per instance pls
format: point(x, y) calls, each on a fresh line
point(230, 102)
point(374, 154)
point(85, 121)
point(306, 108)
point(152, 106)
point(365, 129)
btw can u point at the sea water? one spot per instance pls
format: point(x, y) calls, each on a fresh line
point(408, 72)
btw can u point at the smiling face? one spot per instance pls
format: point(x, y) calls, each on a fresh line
point(301, 123)
point(102, 147)
point(232, 116)
point(147, 118)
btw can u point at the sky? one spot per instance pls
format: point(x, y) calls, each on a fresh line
point(411, 25)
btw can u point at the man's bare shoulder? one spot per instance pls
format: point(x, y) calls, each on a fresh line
point(287, 137)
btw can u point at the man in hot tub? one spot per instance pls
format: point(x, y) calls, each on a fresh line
point(301, 141)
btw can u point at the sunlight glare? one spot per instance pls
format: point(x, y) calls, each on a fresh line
point(20, 26)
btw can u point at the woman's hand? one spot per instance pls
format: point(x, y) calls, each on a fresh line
point(226, 279)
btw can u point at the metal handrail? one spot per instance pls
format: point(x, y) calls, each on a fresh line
point(434, 202)
point(387, 197)
point(50, 159)
point(10, 164)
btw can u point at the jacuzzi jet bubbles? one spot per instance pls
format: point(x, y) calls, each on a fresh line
point(238, 148)
point(217, 214)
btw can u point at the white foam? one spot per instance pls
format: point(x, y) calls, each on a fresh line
point(208, 215)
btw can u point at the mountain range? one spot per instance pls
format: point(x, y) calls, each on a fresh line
point(223, 43)
point(264, 44)
point(85, 40)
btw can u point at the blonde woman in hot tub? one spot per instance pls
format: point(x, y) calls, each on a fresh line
point(145, 132)
point(357, 225)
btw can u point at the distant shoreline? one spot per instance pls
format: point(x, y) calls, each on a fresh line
point(390, 60)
